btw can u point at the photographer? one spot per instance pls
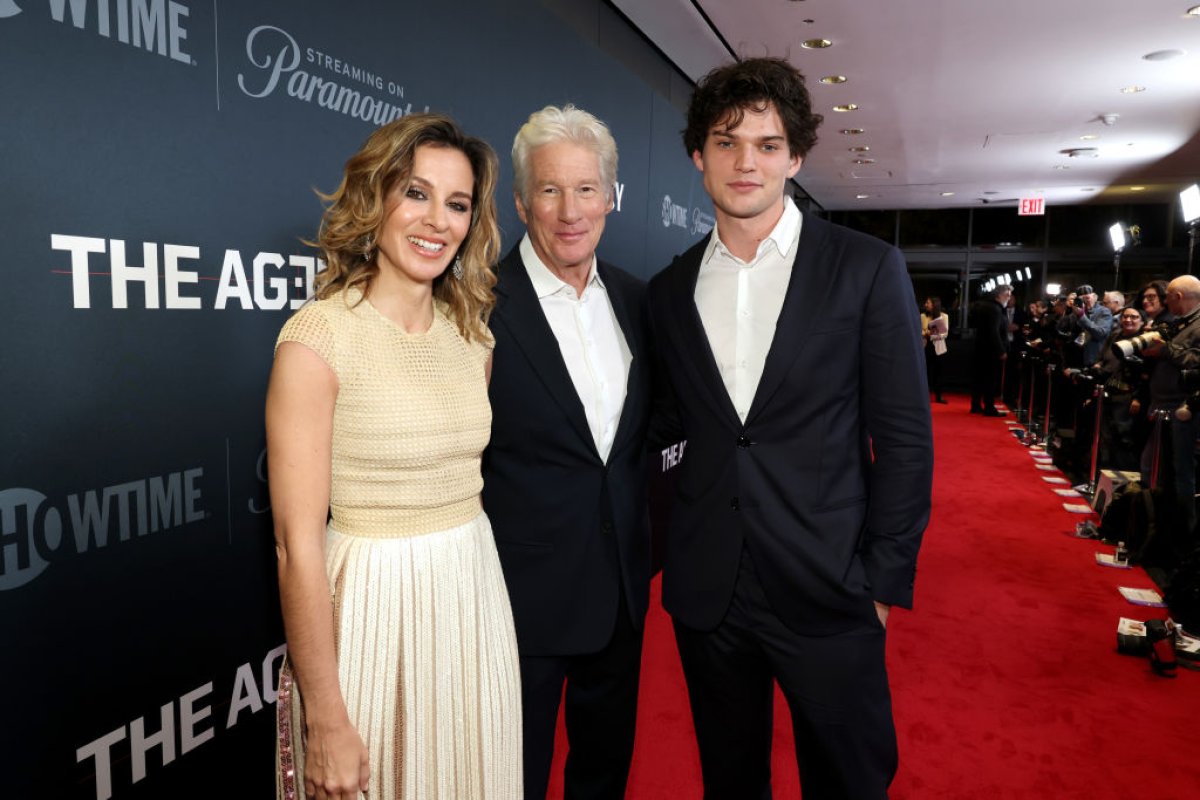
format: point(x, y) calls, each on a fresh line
point(1174, 352)
point(1124, 381)
point(1089, 325)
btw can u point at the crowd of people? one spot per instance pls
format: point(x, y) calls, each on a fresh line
point(1109, 383)
point(457, 451)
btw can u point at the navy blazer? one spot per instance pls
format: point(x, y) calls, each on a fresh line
point(571, 530)
point(828, 481)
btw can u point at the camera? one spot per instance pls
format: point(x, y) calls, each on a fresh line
point(1078, 301)
point(1127, 348)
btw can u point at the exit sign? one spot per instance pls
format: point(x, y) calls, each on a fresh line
point(1032, 206)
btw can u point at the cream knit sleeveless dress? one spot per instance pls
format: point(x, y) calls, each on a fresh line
point(427, 656)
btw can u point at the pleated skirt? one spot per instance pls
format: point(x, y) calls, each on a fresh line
point(427, 662)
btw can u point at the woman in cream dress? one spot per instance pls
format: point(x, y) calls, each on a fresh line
point(401, 678)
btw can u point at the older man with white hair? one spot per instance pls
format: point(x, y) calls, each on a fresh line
point(1114, 302)
point(564, 482)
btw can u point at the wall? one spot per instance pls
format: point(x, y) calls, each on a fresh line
point(159, 161)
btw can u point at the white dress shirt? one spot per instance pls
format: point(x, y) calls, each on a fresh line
point(739, 304)
point(591, 342)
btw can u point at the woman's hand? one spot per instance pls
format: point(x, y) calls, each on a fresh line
point(335, 763)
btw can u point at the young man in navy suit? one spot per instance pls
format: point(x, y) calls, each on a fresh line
point(791, 355)
point(564, 475)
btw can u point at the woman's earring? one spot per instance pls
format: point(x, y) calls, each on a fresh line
point(368, 248)
point(457, 269)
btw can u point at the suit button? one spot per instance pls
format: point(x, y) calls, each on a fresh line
point(743, 441)
point(734, 504)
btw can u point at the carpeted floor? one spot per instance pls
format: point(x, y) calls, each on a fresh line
point(1005, 678)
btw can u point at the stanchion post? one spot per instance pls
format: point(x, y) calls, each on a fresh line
point(1046, 417)
point(1156, 445)
point(1093, 474)
point(1020, 411)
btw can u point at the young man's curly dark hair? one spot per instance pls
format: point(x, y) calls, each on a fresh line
point(725, 94)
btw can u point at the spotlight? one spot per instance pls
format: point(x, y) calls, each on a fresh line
point(1052, 289)
point(1028, 274)
point(1116, 233)
point(1189, 201)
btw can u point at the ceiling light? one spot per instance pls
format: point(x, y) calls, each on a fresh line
point(846, 107)
point(816, 44)
point(1089, 137)
point(861, 196)
point(862, 148)
point(864, 161)
point(1194, 11)
point(947, 194)
point(1132, 89)
point(832, 79)
point(851, 131)
point(1163, 55)
point(1137, 188)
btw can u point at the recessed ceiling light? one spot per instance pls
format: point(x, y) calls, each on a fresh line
point(1089, 137)
point(861, 196)
point(831, 79)
point(864, 161)
point(816, 44)
point(947, 194)
point(1194, 11)
point(862, 148)
point(846, 107)
point(1163, 55)
point(851, 131)
point(1137, 188)
point(1132, 89)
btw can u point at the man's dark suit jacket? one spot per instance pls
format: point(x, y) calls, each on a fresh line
point(828, 481)
point(571, 530)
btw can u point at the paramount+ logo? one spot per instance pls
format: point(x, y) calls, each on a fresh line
point(36, 532)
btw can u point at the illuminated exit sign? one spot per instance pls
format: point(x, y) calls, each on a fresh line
point(1032, 206)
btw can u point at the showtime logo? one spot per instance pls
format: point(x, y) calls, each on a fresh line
point(35, 533)
point(673, 213)
point(156, 26)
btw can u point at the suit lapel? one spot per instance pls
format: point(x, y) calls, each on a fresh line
point(808, 289)
point(518, 310)
point(693, 345)
point(627, 314)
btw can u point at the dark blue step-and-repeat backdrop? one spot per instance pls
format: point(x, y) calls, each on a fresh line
point(157, 165)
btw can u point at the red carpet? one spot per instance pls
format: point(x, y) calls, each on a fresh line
point(1005, 678)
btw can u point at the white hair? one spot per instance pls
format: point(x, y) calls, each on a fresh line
point(567, 124)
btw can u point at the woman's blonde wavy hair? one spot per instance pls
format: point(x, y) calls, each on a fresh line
point(356, 211)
